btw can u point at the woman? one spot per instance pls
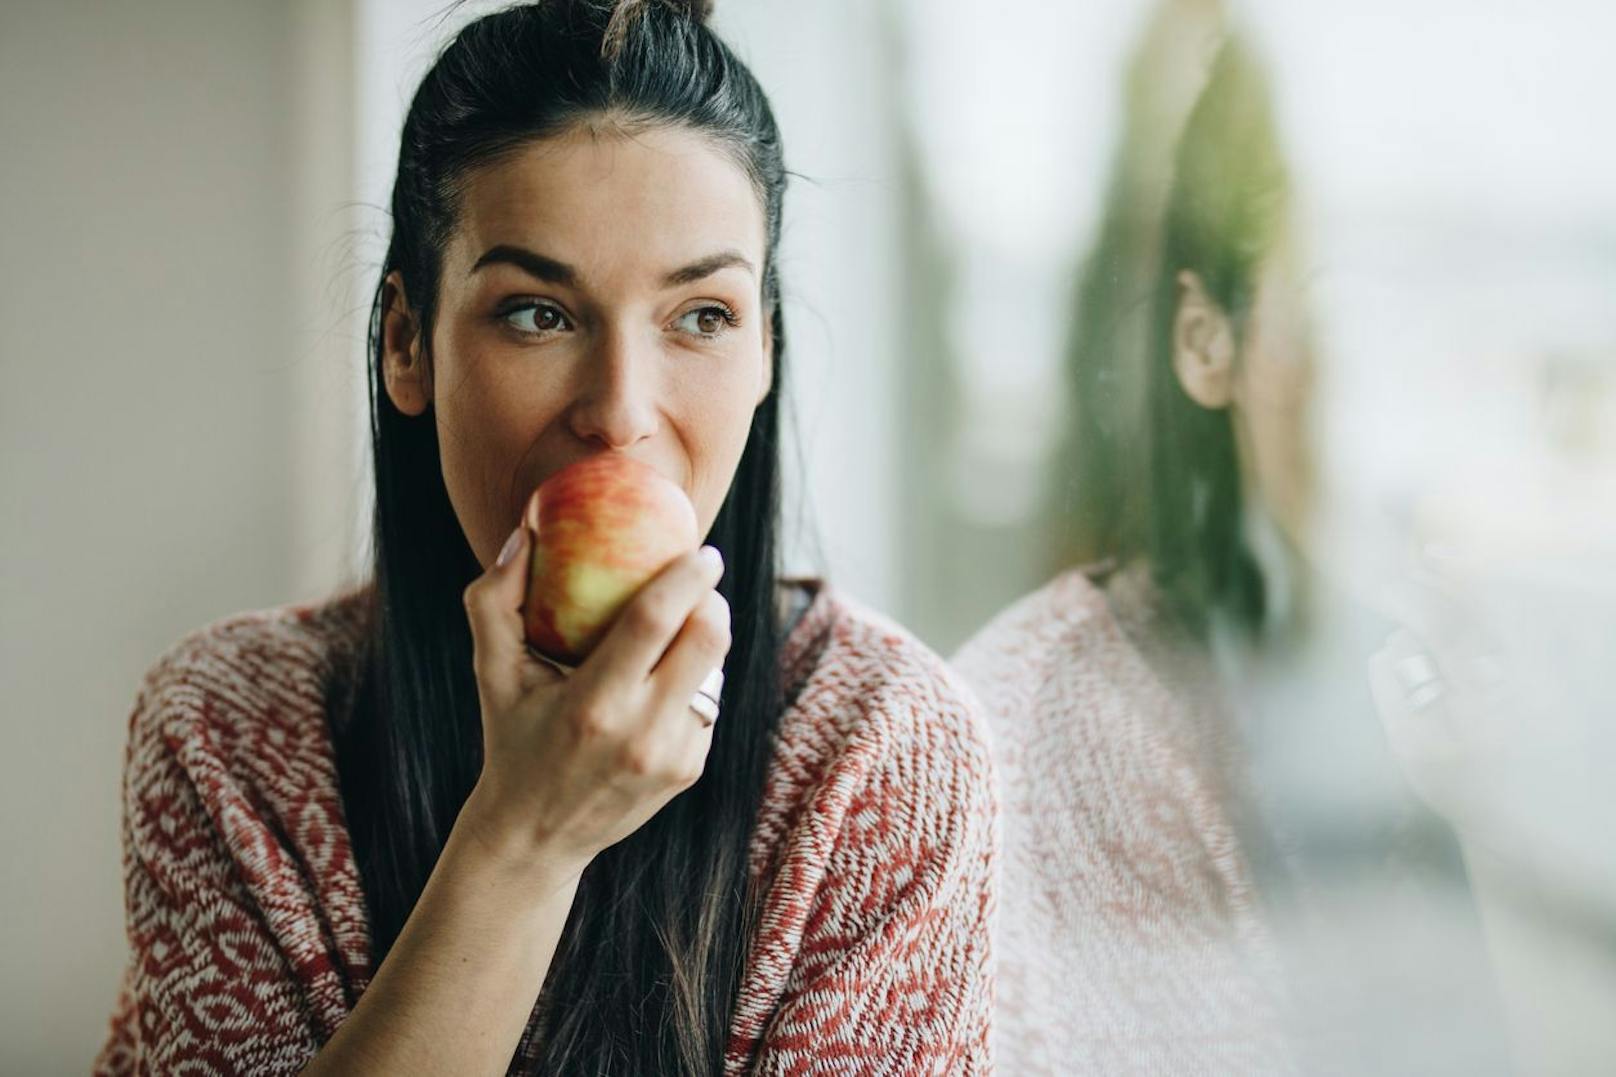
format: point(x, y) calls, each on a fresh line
point(375, 836)
point(1131, 938)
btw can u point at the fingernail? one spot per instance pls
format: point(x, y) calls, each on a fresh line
point(512, 544)
point(713, 559)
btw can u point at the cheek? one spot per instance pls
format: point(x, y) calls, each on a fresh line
point(1274, 368)
point(713, 420)
point(488, 424)
point(1275, 396)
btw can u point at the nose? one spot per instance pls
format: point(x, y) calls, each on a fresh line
point(616, 403)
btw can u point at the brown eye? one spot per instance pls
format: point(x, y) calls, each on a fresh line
point(537, 318)
point(707, 321)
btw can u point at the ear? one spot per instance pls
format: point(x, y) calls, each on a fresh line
point(767, 381)
point(404, 372)
point(1203, 345)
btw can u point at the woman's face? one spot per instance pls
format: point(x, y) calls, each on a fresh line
point(1263, 377)
point(1272, 395)
point(601, 293)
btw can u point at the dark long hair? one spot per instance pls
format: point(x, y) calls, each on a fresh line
point(649, 964)
point(1224, 212)
point(1157, 475)
point(1108, 342)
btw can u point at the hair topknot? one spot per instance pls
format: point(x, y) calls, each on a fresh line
point(697, 10)
point(624, 12)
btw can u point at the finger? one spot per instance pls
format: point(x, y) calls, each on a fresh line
point(1386, 692)
point(1444, 621)
point(681, 732)
point(696, 651)
point(1415, 663)
point(540, 671)
point(494, 610)
point(636, 641)
point(1409, 692)
point(1405, 673)
point(697, 746)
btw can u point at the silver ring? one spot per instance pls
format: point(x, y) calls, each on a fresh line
point(538, 656)
point(706, 708)
point(706, 700)
point(1422, 683)
point(713, 686)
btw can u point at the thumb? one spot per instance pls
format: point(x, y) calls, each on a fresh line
point(494, 610)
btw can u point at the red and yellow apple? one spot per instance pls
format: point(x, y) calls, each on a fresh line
point(602, 527)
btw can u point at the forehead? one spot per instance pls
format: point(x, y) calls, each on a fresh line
point(605, 200)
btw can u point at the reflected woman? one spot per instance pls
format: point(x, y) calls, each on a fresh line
point(1205, 834)
point(1130, 932)
point(1131, 937)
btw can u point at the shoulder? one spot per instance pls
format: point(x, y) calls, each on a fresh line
point(1044, 627)
point(881, 745)
point(1091, 633)
point(233, 838)
point(270, 649)
point(860, 678)
point(242, 699)
point(1067, 672)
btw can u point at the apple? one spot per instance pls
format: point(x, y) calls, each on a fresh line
point(602, 528)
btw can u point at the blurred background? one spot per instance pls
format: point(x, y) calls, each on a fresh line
point(191, 212)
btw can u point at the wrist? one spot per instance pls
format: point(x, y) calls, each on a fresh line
point(485, 836)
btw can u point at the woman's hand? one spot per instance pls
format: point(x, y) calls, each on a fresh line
point(1485, 716)
point(573, 765)
point(1498, 745)
point(570, 766)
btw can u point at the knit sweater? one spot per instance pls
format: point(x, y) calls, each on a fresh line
point(1128, 937)
point(248, 927)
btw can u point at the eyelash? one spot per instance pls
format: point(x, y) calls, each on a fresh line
point(729, 316)
point(731, 319)
point(535, 305)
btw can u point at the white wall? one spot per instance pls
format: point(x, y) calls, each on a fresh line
point(158, 322)
point(821, 65)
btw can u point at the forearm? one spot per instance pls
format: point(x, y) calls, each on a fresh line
point(457, 988)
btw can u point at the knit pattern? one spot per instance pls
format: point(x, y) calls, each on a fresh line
point(1128, 939)
point(247, 924)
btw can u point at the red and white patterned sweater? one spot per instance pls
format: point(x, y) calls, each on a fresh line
point(1129, 938)
point(248, 928)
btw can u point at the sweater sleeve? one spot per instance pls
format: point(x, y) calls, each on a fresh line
point(206, 988)
point(891, 973)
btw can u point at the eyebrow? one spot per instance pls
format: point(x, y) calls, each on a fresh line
point(706, 267)
point(545, 268)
